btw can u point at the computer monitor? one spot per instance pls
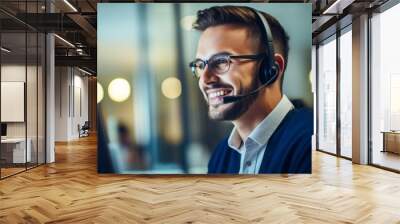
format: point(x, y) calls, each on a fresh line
point(3, 129)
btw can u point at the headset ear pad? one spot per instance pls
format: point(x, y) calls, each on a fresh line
point(274, 72)
point(263, 73)
point(268, 74)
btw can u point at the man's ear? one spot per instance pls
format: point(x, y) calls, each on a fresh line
point(280, 61)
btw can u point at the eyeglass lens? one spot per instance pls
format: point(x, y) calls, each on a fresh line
point(217, 64)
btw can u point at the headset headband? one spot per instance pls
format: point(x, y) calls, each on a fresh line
point(268, 35)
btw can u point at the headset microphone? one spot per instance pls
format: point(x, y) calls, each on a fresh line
point(231, 99)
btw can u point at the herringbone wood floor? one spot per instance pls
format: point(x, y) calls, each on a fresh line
point(70, 191)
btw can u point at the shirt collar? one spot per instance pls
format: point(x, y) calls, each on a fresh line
point(266, 127)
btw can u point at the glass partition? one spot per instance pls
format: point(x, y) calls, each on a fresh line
point(13, 105)
point(327, 95)
point(22, 88)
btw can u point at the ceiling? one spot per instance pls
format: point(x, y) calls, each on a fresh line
point(76, 22)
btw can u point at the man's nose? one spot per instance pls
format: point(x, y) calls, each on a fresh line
point(209, 76)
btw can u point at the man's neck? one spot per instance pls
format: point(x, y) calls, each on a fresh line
point(256, 113)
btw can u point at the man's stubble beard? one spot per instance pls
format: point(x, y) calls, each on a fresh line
point(236, 109)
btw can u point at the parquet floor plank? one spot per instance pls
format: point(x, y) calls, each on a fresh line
point(71, 191)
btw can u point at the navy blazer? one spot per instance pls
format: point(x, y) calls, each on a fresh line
point(288, 150)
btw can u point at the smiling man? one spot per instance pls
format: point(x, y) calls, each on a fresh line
point(240, 62)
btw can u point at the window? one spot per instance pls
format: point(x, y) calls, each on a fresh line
point(346, 92)
point(327, 95)
point(385, 89)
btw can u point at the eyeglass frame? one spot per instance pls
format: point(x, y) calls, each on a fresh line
point(207, 62)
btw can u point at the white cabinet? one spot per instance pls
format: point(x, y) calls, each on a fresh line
point(18, 149)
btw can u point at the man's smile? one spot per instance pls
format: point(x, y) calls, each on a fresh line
point(215, 96)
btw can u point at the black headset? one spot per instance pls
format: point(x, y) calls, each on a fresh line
point(269, 69)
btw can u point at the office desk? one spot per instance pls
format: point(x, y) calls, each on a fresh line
point(16, 147)
point(391, 141)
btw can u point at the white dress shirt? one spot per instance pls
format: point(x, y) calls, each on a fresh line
point(252, 151)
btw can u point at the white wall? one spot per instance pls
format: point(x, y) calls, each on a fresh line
point(13, 73)
point(71, 102)
point(61, 103)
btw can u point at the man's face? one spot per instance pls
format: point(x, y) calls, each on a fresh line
point(241, 78)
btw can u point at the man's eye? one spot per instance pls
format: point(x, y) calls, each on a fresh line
point(219, 62)
point(200, 65)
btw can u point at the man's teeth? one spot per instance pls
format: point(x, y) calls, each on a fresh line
point(218, 93)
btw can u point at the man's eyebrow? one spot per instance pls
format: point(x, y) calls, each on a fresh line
point(217, 54)
point(221, 54)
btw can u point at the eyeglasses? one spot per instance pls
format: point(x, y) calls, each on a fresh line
point(219, 63)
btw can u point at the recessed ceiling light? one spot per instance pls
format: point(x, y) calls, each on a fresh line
point(84, 71)
point(64, 40)
point(5, 49)
point(71, 6)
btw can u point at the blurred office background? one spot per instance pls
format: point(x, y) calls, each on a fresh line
point(152, 115)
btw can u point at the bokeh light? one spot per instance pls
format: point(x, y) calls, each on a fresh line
point(119, 90)
point(171, 88)
point(100, 92)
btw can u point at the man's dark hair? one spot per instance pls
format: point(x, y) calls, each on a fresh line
point(245, 16)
